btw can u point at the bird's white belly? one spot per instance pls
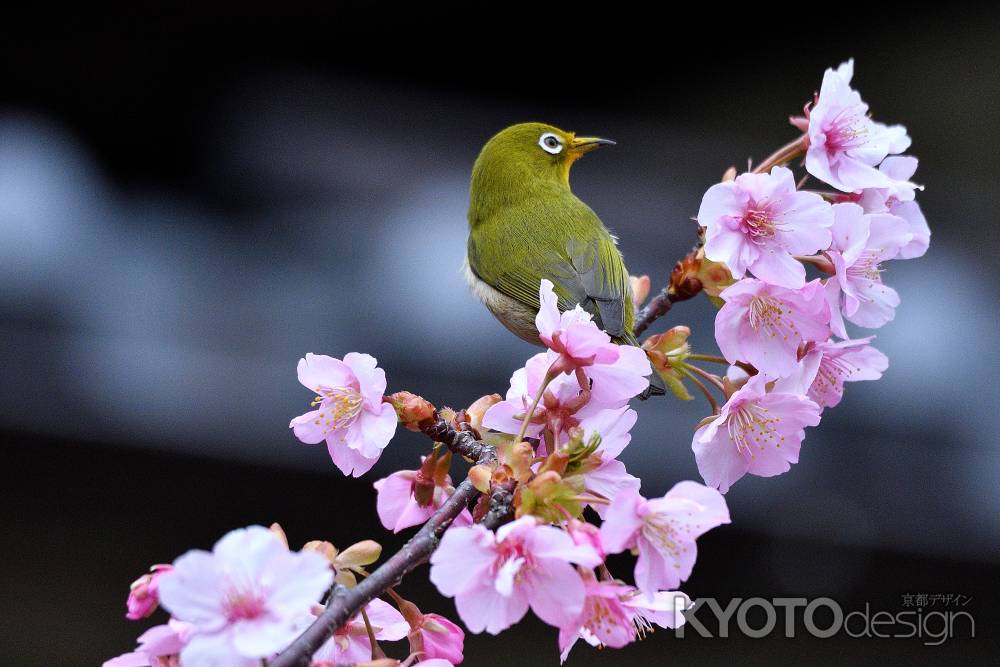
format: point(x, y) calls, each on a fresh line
point(513, 314)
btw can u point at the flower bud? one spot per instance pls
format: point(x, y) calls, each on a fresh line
point(640, 290)
point(667, 352)
point(474, 413)
point(411, 409)
point(358, 555)
point(480, 476)
point(280, 532)
point(713, 276)
point(143, 597)
point(323, 548)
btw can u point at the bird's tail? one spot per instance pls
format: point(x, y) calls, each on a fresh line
point(656, 386)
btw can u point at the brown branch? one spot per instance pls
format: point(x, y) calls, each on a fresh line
point(657, 307)
point(344, 603)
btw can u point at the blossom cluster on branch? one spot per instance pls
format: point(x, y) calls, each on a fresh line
point(546, 498)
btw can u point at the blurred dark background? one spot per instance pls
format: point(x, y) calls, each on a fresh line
point(190, 201)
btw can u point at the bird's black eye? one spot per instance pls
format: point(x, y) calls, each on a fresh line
point(550, 143)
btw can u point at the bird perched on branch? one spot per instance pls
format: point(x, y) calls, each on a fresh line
point(525, 224)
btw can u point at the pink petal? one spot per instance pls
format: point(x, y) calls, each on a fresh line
point(371, 379)
point(622, 521)
point(319, 370)
point(462, 559)
point(556, 593)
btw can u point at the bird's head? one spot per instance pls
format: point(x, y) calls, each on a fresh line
point(528, 156)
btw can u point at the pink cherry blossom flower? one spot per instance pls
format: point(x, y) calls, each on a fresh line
point(845, 144)
point(840, 362)
point(756, 432)
point(764, 324)
point(576, 343)
point(246, 599)
point(897, 199)
point(350, 414)
point(758, 222)
point(159, 646)
point(350, 643)
point(564, 404)
point(615, 615)
point(439, 639)
point(494, 578)
point(143, 597)
point(860, 243)
point(572, 334)
point(663, 530)
point(397, 507)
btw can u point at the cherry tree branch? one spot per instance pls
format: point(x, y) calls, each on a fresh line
point(657, 307)
point(346, 602)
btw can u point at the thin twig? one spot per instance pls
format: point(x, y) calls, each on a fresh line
point(657, 307)
point(346, 602)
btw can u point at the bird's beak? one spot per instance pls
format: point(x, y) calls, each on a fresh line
point(581, 145)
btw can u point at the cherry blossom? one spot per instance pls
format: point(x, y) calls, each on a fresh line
point(898, 199)
point(575, 342)
point(350, 415)
point(840, 362)
point(494, 578)
point(615, 615)
point(845, 144)
point(756, 432)
point(437, 637)
point(564, 404)
point(663, 530)
point(350, 643)
point(159, 646)
point(397, 507)
point(246, 599)
point(861, 242)
point(758, 222)
point(143, 597)
point(764, 324)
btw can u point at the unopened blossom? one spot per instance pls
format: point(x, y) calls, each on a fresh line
point(640, 290)
point(756, 432)
point(615, 615)
point(495, 578)
point(398, 508)
point(845, 144)
point(350, 643)
point(898, 199)
point(438, 638)
point(564, 404)
point(577, 343)
point(840, 362)
point(663, 530)
point(158, 646)
point(861, 242)
point(758, 222)
point(764, 324)
point(350, 415)
point(143, 597)
point(246, 599)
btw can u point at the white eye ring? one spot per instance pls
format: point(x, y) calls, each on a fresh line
point(550, 143)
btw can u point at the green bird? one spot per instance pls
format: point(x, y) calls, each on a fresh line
point(525, 224)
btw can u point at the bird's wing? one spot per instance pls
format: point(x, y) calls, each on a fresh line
point(584, 264)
